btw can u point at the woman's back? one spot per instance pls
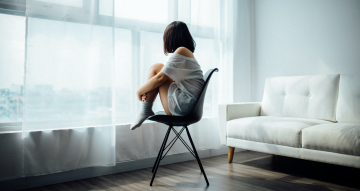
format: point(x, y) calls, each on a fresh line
point(188, 77)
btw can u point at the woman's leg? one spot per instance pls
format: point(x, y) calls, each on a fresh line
point(154, 69)
point(162, 90)
point(150, 97)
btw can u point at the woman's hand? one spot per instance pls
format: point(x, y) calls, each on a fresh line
point(143, 97)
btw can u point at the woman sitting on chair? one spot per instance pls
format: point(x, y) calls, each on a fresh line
point(178, 82)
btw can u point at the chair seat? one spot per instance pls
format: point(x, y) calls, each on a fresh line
point(170, 120)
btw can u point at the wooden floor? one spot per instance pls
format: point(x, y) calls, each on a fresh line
point(249, 171)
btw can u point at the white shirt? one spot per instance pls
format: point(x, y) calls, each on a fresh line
point(188, 77)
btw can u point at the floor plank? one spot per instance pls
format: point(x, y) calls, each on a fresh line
point(249, 171)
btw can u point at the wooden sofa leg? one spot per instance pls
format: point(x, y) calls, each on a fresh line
point(231, 154)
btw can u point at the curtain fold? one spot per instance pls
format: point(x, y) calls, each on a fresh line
point(84, 60)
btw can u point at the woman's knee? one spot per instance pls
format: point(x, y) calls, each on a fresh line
point(157, 67)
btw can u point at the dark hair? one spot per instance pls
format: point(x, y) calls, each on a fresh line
point(176, 35)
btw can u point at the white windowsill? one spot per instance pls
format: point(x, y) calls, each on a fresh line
point(15, 127)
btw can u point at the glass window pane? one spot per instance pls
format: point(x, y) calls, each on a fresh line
point(12, 51)
point(106, 7)
point(151, 52)
point(67, 77)
point(204, 53)
point(205, 56)
point(202, 13)
point(184, 11)
point(143, 10)
point(124, 87)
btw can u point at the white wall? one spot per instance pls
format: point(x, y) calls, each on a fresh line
point(300, 37)
point(243, 43)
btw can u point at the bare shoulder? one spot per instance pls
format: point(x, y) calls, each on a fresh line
point(185, 52)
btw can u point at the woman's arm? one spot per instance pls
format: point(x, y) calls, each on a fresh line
point(151, 84)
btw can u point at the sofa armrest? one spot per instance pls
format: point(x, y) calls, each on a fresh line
point(233, 111)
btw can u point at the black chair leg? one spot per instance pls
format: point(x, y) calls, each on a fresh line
point(162, 148)
point(196, 155)
point(160, 155)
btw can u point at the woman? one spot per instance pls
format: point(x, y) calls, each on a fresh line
point(178, 82)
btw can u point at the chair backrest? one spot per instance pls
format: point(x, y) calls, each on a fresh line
point(196, 114)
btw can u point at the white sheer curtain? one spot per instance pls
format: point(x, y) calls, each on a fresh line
point(84, 61)
point(69, 95)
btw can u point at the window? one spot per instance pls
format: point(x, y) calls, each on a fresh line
point(138, 45)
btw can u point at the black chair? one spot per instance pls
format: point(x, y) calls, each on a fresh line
point(193, 117)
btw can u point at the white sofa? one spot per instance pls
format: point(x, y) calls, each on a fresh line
point(308, 117)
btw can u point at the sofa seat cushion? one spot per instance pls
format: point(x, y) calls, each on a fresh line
point(342, 137)
point(274, 130)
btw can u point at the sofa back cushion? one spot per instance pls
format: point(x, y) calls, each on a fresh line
point(348, 106)
point(312, 97)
